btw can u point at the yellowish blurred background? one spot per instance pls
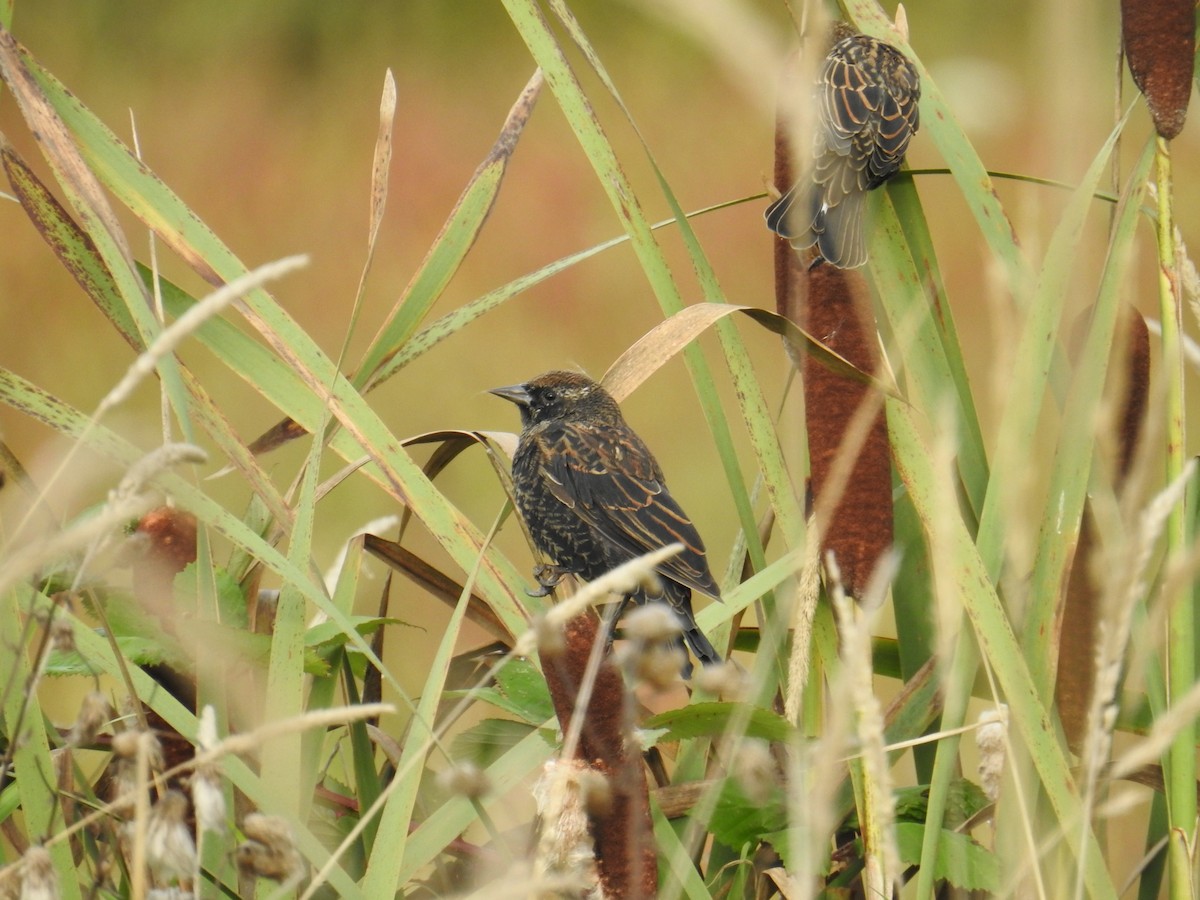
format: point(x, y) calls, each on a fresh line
point(262, 117)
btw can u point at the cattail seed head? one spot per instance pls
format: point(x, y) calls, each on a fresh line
point(465, 779)
point(269, 851)
point(170, 849)
point(990, 739)
point(652, 623)
point(94, 713)
point(725, 680)
point(38, 879)
point(755, 770)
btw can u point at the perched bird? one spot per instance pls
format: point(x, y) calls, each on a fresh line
point(866, 113)
point(593, 496)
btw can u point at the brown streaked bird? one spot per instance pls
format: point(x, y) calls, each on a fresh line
point(593, 496)
point(866, 113)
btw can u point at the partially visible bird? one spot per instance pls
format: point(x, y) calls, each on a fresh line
point(593, 495)
point(866, 113)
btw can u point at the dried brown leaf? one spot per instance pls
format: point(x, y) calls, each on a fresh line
point(670, 336)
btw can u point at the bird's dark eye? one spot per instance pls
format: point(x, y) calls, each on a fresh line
point(550, 395)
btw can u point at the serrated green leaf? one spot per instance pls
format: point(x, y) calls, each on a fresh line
point(524, 686)
point(961, 861)
point(737, 820)
point(964, 800)
point(140, 651)
point(713, 718)
point(231, 602)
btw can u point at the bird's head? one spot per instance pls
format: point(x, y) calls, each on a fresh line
point(561, 397)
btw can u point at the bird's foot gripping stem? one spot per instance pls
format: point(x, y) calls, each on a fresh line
point(548, 576)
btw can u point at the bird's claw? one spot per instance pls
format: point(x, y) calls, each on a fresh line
point(548, 577)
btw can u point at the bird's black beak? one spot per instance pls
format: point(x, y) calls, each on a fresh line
point(513, 392)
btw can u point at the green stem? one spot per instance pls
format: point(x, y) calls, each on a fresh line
point(954, 714)
point(1180, 764)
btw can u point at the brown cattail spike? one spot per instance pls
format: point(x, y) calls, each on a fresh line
point(1160, 41)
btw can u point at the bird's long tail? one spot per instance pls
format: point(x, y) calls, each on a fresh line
point(785, 221)
point(680, 600)
point(839, 231)
point(831, 219)
point(700, 646)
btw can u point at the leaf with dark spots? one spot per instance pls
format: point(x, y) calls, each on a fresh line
point(74, 249)
point(18, 71)
point(712, 719)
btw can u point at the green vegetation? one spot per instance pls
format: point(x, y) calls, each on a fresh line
point(341, 734)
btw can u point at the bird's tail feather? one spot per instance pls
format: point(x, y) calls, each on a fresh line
point(700, 646)
point(839, 232)
point(794, 216)
point(679, 599)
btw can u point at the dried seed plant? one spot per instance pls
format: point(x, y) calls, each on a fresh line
point(951, 475)
point(565, 851)
point(269, 850)
point(38, 878)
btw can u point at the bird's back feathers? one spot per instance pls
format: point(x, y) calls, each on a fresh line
point(867, 112)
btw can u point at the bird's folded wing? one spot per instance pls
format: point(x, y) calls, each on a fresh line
point(614, 484)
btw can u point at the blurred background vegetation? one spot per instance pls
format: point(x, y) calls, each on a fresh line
point(262, 117)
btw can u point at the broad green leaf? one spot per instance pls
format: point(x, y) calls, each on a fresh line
point(520, 690)
point(961, 861)
point(450, 819)
point(324, 637)
point(738, 820)
point(713, 718)
point(486, 742)
point(231, 602)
